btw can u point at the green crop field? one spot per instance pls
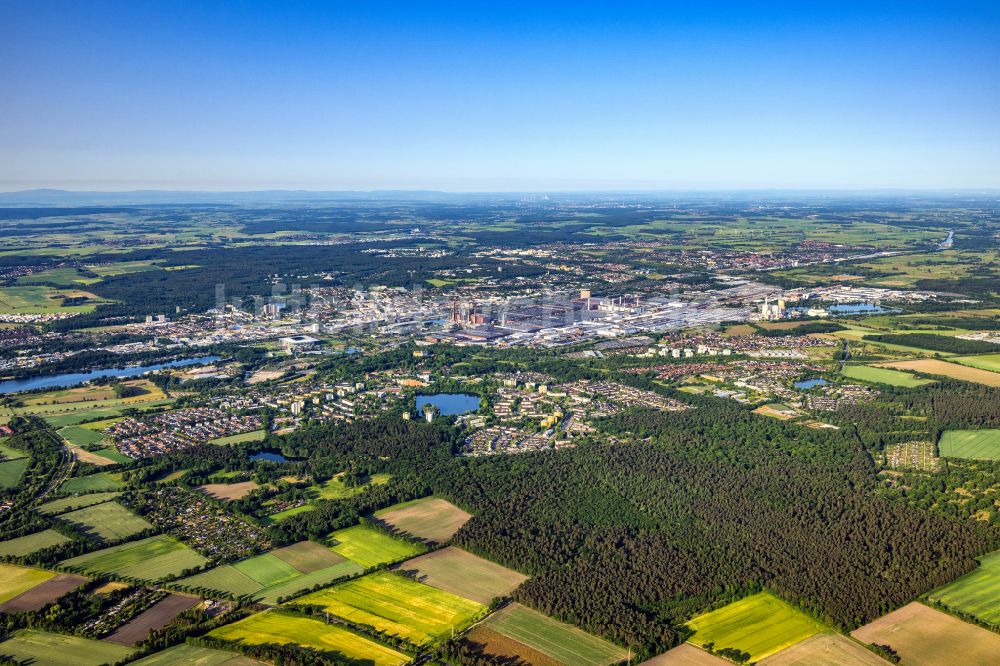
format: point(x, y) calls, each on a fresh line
point(371, 547)
point(102, 481)
point(976, 593)
point(108, 521)
point(193, 655)
point(10, 453)
point(305, 582)
point(147, 559)
point(561, 642)
point(989, 362)
point(278, 574)
point(224, 578)
point(883, 376)
point(335, 488)
point(80, 436)
point(48, 649)
point(31, 543)
point(288, 513)
point(37, 299)
point(273, 627)
point(15, 580)
point(266, 569)
point(974, 444)
point(113, 455)
point(11, 472)
point(398, 606)
point(76, 502)
point(252, 436)
point(760, 625)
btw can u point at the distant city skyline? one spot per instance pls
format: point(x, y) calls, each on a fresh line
point(457, 97)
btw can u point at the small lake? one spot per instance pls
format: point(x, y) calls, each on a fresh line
point(810, 383)
point(73, 378)
point(449, 404)
point(270, 456)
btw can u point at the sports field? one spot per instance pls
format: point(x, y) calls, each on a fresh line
point(825, 650)
point(398, 606)
point(972, 444)
point(58, 506)
point(867, 373)
point(274, 627)
point(15, 580)
point(430, 518)
point(922, 636)
point(192, 655)
point(146, 559)
point(31, 543)
point(459, 572)
point(759, 625)
point(48, 649)
point(11, 472)
point(946, 369)
point(101, 481)
point(371, 547)
point(989, 362)
point(976, 593)
point(561, 642)
point(275, 575)
point(108, 521)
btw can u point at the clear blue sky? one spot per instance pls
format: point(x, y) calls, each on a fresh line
point(465, 96)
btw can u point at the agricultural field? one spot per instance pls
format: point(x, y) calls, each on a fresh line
point(15, 580)
point(108, 521)
point(971, 444)
point(101, 481)
point(275, 575)
point(80, 436)
point(274, 627)
point(946, 369)
point(867, 373)
point(335, 488)
point(192, 655)
point(687, 655)
point(825, 650)
point(537, 633)
point(10, 453)
point(371, 547)
point(43, 593)
point(11, 472)
point(398, 606)
point(989, 362)
point(431, 519)
point(229, 491)
point(147, 559)
point(38, 299)
point(158, 616)
point(58, 506)
point(252, 436)
point(459, 572)
point(47, 649)
point(977, 593)
point(31, 543)
point(759, 625)
point(922, 636)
